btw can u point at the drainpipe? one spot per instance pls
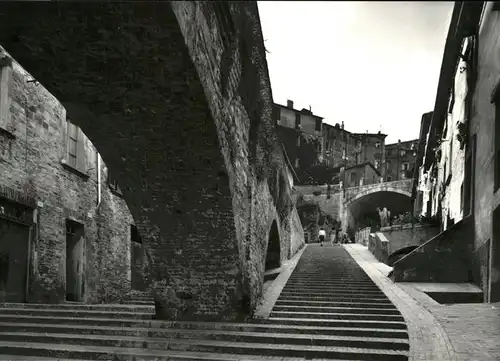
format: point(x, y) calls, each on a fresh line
point(98, 181)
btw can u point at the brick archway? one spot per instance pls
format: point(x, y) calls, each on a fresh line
point(173, 122)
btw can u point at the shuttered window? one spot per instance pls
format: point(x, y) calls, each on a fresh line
point(76, 156)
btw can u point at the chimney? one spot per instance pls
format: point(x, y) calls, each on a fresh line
point(342, 125)
point(289, 104)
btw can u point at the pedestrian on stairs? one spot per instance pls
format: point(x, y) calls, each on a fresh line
point(322, 236)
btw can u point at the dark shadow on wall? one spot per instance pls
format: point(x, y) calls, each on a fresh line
point(273, 257)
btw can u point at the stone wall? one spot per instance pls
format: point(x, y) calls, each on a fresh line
point(482, 125)
point(445, 258)
point(378, 245)
point(297, 233)
point(32, 164)
point(407, 235)
point(362, 236)
point(184, 121)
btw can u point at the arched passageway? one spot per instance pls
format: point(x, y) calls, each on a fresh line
point(273, 255)
point(362, 212)
point(145, 83)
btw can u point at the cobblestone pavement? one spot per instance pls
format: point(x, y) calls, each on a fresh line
point(460, 332)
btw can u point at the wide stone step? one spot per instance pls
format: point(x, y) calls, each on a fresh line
point(336, 323)
point(80, 307)
point(319, 297)
point(202, 328)
point(337, 316)
point(346, 309)
point(328, 291)
point(195, 348)
point(331, 286)
point(74, 313)
point(331, 281)
point(72, 320)
point(190, 336)
point(368, 303)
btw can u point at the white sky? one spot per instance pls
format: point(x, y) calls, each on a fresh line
point(373, 65)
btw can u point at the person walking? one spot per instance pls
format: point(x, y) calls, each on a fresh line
point(322, 236)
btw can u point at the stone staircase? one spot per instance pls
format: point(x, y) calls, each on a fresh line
point(329, 309)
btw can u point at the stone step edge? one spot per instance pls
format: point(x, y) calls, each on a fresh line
point(326, 308)
point(388, 303)
point(241, 326)
point(305, 320)
point(383, 340)
point(222, 344)
point(73, 306)
point(44, 310)
point(298, 313)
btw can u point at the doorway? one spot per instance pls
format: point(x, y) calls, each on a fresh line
point(494, 266)
point(75, 261)
point(14, 238)
point(273, 257)
point(136, 259)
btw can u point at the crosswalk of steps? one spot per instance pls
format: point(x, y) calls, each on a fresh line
point(329, 309)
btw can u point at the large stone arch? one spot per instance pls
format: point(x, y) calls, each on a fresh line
point(136, 77)
point(361, 207)
point(364, 193)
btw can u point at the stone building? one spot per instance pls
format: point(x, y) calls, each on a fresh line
point(400, 160)
point(459, 171)
point(360, 174)
point(301, 133)
point(319, 150)
point(66, 234)
point(341, 147)
point(176, 97)
point(373, 149)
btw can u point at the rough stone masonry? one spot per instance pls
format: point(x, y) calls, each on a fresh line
point(176, 97)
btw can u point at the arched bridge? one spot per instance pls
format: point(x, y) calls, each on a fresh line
point(359, 204)
point(403, 187)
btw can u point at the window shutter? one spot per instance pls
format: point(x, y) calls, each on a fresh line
point(81, 155)
point(5, 88)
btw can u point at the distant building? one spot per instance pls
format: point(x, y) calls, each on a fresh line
point(400, 160)
point(300, 132)
point(373, 149)
point(319, 150)
point(360, 174)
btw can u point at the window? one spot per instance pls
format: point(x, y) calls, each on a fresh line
point(5, 86)
point(388, 164)
point(76, 157)
point(405, 166)
point(72, 144)
point(297, 162)
point(377, 145)
point(389, 152)
point(318, 125)
point(134, 234)
point(298, 140)
point(403, 175)
point(403, 153)
point(376, 164)
point(354, 178)
point(389, 178)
